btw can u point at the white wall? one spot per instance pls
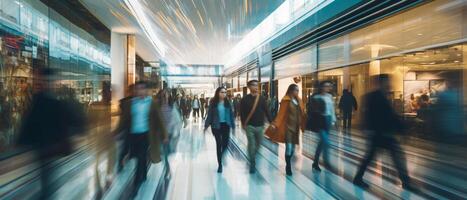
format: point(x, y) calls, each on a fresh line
point(284, 84)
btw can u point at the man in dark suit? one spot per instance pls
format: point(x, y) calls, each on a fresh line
point(381, 119)
point(49, 125)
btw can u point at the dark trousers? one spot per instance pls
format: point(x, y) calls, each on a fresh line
point(196, 112)
point(390, 144)
point(46, 172)
point(222, 137)
point(347, 120)
point(139, 150)
point(125, 148)
point(202, 113)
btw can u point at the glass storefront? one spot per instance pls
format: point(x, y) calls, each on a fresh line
point(32, 36)
point(424, 49)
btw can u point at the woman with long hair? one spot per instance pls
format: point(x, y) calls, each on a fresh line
point(221, 119)
point(287, 125)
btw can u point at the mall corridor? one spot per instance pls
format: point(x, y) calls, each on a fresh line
point(233, 99)
point(190, 173)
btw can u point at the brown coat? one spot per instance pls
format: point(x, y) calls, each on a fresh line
point(282, 121)
point(157, 133)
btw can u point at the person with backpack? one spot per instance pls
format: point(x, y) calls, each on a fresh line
point(322, 117)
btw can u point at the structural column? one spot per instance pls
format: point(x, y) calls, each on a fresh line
point(123, 62)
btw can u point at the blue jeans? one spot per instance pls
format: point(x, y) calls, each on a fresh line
point(323, 144)
point(289, 149)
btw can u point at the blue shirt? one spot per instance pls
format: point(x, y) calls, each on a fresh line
point(140, 108)
point(223, 114)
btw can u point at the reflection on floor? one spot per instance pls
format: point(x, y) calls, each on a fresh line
point(191, 173)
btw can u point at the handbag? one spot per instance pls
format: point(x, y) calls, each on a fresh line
point(255, 105)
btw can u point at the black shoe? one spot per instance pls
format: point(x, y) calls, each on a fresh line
point(219, 169)
point(288, 170)
point(316, 168)
point(361, 183)
point(252, 170)
point(410, 187)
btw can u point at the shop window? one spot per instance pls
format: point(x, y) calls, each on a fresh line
point(266, 73)
point(26, 18)
point(242, 79)
point(300, 62)
point(253, 74)
point(11, 10)
point(333, 53)
point(430, 24)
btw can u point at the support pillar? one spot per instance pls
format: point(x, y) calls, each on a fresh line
point(123, 63)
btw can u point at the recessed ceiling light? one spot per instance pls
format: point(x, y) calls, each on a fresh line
point(456, 61)
point(458, 54)
point(419, 34)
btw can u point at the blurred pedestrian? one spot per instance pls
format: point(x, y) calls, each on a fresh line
point(122, 133)
point(347, 105)
point(195, 104)
point(253, 110)
point(448, 115)
point(274, 106)
point(381, 119)
point(237, 105)
point(185, 108)
point(142, 119)
point(221, 119)
point(49, 125)
point(287, 125)
point(202, 107)
point(206, 106)
point(322, 118)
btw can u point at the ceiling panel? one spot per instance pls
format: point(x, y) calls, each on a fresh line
point(193, 31)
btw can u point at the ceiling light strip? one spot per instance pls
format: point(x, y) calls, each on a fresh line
point(138, 12)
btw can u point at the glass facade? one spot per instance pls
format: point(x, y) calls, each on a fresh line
point(33, 36)
point(424, 49)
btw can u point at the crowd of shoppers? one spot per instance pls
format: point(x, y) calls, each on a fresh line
point(319, 116)
point(149, 126)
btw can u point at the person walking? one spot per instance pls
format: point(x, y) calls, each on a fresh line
point(184, 106)
point(274, 106)
point(195, 104)
point(287, 125)
point(48, 126)
point(347, 104)
point(323, 117)
point(381, 119)
point(206, 106)
point(142, 119)
point(237, 105)
point(221, 119)
point(253, 110)
point(124, 135)
point(202, 107)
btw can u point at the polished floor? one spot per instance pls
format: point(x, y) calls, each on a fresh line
point(191, 171)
